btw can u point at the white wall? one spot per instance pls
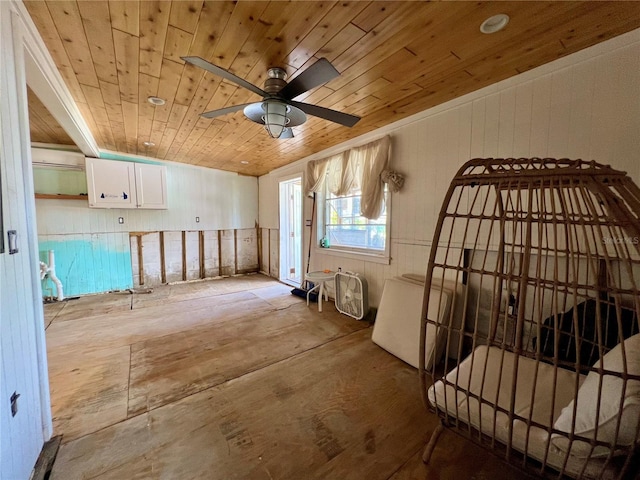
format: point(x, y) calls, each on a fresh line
point(92, 249)
point(586, 105)
point(222, 200)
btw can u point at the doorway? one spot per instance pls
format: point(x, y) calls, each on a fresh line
point(291, 231)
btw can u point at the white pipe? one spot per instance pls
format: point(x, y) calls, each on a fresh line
point(52, 275)
point(51, 271)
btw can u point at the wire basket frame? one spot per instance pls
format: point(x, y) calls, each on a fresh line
point(548, 374)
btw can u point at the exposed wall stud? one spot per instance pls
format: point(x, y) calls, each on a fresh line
point(259, 242)
point(201, 253)
point(219, 253)
point(184, 256)
point(163, 268)
point(235, 251)
point(140, 260)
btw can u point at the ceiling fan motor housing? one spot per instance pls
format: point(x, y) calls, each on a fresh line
point(276, 81)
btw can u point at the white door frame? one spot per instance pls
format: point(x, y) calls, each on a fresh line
point(281, 220)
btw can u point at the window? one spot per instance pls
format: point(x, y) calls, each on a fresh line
point(346, 229)
point(353, 201)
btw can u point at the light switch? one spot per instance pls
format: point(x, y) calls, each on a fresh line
point(120, 220)
point(197, 219)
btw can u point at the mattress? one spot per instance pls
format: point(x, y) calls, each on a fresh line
point(397, 325)
point(480, 376)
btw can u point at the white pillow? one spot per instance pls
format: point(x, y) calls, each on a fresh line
point(610, 395)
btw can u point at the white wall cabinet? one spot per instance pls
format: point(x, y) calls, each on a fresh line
point(115, 184)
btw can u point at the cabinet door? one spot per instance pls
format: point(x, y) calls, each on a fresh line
point(151, 186)
point(111, 184)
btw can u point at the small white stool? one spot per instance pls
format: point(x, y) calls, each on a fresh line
point(319, 278)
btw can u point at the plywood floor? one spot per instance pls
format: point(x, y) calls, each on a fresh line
point(236, 379)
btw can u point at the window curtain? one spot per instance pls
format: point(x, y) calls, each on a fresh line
point(358, 168)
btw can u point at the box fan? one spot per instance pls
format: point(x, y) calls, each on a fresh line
point(352, 296)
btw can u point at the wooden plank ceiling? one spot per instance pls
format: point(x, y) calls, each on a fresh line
point(395, 59)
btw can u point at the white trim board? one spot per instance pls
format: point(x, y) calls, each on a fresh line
point(46, 82)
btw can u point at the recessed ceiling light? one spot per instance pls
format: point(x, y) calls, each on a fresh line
point(156, 101)
point(244, 162)
point(494, 24)
point(149, 144)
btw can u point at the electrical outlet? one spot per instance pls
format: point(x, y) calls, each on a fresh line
point(120, 220)
point(14, 403)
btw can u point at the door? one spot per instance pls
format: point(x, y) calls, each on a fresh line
point(291, 231)
point(25, 420)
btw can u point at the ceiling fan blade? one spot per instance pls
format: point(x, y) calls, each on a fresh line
point(328, 114)
point(317, 74)
point(223, 111)
point(210, 67)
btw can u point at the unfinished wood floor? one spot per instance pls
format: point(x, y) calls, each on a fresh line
point(236, 379)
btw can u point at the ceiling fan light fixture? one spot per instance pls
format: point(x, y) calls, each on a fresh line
point(495, 23)
point(275, 117)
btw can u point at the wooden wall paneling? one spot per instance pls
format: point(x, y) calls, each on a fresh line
point(41, 18)
point(130, 116)
point(44, 128)
point(97, 26)
point(126, 48)
point(213, 18)
point(333, 22)
point(173, 256)
point(77, 45)
point(125, 16)
point(113, 107)
point(522, 120)
point(148, 88)
point(154, 20)
point(540, 117)
point(617, 109)
point(184, 15)
point(253, 53)
point(99, 113)
point(167, 138)
point(197, 151)
point(243, 19)
point(170, 74)
point(176, 43)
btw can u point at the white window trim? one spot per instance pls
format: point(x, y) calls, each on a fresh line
point(370, 255)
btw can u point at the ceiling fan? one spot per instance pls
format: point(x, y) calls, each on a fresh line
point(277, 111)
